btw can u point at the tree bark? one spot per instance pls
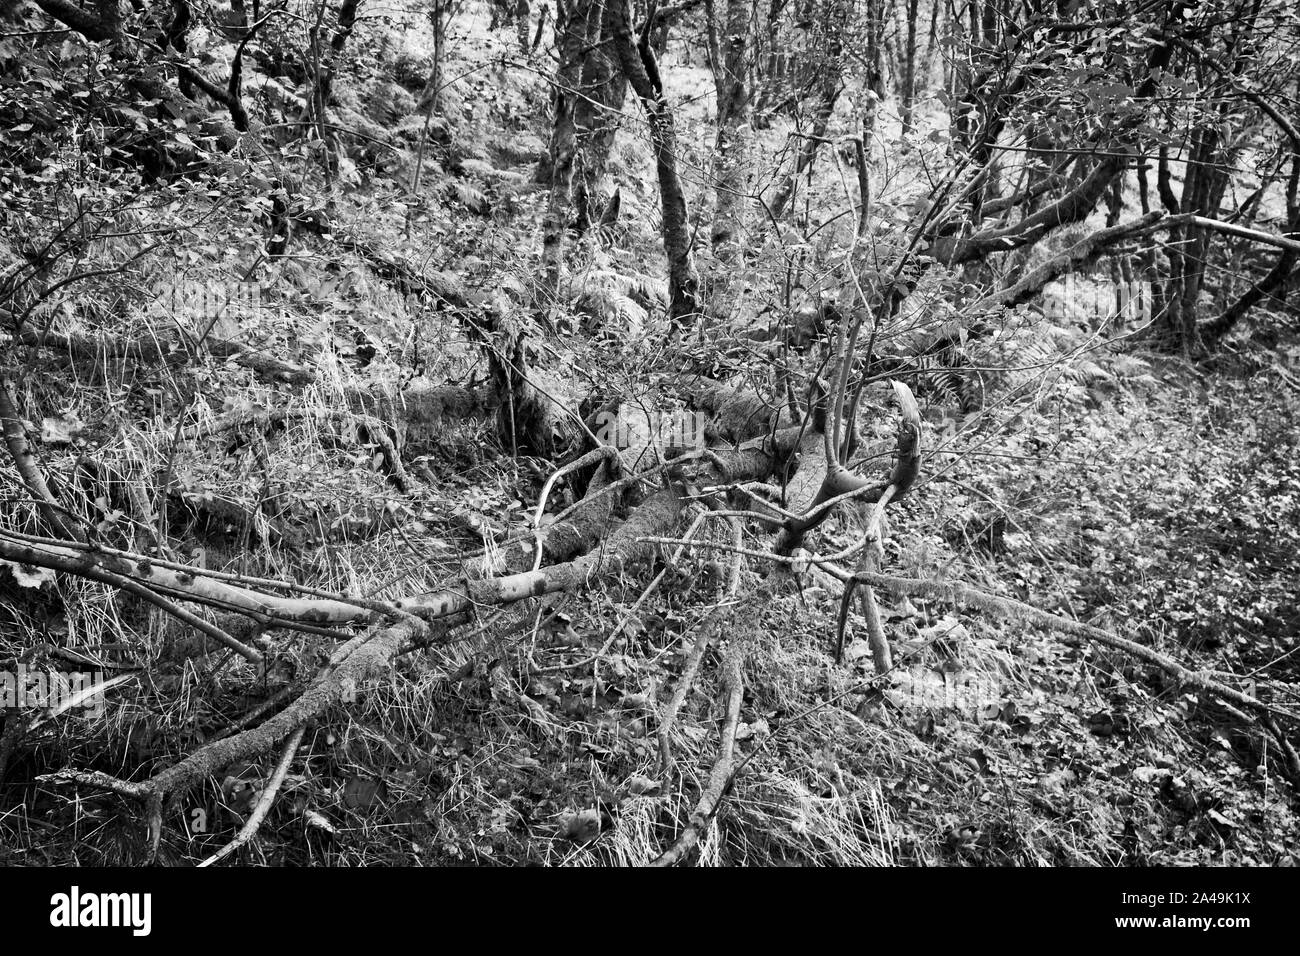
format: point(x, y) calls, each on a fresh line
point(642, 71)
point(732, 159)
point(908, 91)
point(829, 73)
point(597, 115)
point(581, 24)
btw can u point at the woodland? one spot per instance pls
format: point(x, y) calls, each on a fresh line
point(611, 432)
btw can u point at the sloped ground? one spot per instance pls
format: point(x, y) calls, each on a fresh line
point(1155, 498)
point(996, 744)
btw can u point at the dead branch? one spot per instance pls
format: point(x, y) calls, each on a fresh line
point(368, 657)
point(28, 467)
point(376, 431)
point(1018, 611)
point(711, 628)
point(601, 455)
point(146, 349)
point(250, 828)
point(371, 653)
point(820, 480)
point(724, 768)
point(871, 558)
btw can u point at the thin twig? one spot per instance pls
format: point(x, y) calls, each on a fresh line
point(724, 768)
point(249, 829)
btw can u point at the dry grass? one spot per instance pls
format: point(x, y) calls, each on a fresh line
point(463, 755)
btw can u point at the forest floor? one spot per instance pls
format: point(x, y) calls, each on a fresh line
point(1160, 509)
point(1129, 489)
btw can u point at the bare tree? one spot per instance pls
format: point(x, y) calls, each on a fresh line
point(731, 163)
point(827, 75)
point(578, 25)
point(642, 71)
point(907, 92)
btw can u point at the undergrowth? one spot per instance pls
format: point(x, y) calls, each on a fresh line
point(1108, 484)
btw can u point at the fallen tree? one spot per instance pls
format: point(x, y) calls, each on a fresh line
point(817, 483)
point(609, 547)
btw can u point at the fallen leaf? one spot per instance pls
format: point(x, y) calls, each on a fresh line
point(580, 827)
point(361, 792)
point(28, 575)
point(642, 786)
point(61, 430)
point(317, 819)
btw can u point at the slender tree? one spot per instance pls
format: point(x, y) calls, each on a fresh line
point(642, 70)
point(731, 162)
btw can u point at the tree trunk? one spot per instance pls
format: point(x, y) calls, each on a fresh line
point(873, 92)
point(829, 78)
point(581, 24)
point(325, 79)
point(597, 117)
point(771, 77)
point(908, 92)
point(732, 159)
point(1275, 281)
point(1190, 245)
point(642, 71)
